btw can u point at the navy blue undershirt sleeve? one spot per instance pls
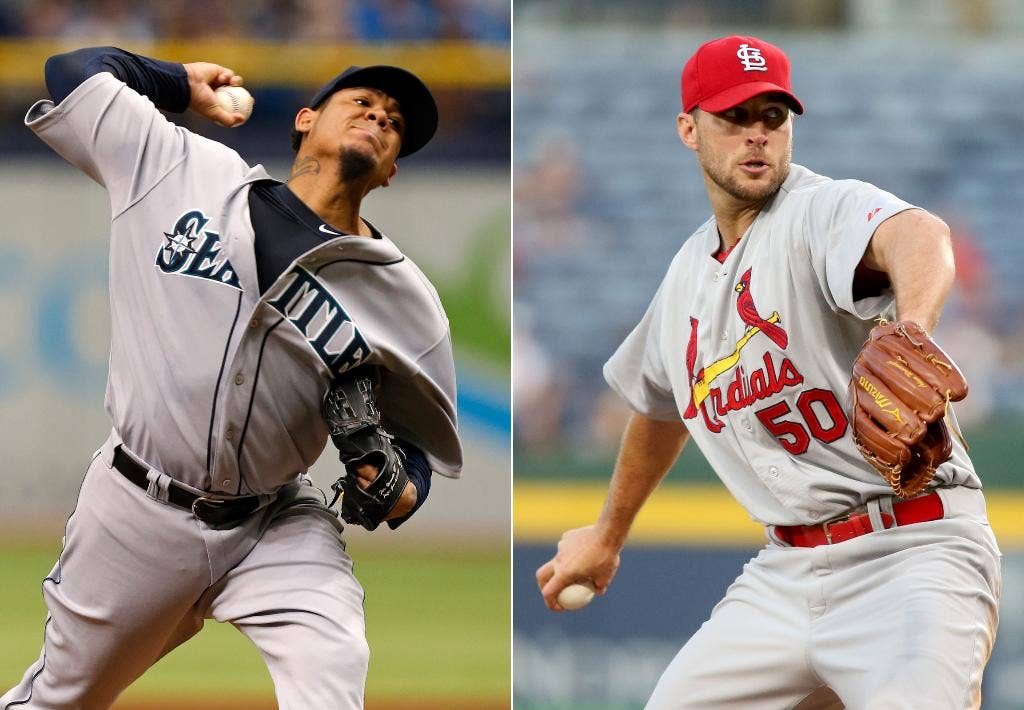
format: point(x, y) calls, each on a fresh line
point(164, 83)
point(418, 470)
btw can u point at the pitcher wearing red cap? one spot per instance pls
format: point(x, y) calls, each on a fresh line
point(761, 344)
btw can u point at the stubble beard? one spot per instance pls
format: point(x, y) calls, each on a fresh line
point(354, 164)
point(724, 178)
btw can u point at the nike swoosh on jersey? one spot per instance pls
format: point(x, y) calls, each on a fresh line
point(326, 230)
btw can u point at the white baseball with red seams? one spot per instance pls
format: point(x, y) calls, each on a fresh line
point(235, 99)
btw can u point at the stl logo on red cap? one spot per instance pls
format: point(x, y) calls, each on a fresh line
point(714, 80)
point(751, 58)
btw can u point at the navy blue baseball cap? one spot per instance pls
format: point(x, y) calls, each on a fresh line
point(414, 98)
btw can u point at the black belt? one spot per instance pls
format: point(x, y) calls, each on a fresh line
point(214, 511)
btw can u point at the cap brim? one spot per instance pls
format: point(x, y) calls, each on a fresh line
point(735, 95)
point(419, 110)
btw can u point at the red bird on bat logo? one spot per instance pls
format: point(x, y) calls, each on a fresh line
point(748, 386)
point(748, 312)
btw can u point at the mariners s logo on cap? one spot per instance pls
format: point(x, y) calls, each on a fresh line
point(751, 58)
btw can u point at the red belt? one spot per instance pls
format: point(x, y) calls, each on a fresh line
point(906, 512)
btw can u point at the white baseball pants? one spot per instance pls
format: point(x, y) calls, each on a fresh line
point(903, 618)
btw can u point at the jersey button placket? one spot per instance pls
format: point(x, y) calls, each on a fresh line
point(235, 404)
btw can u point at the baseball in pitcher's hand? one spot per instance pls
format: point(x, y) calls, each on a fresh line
point(366, 475)
point(203, 79)
point(582, 555)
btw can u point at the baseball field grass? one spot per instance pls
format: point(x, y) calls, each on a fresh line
point(437, 623)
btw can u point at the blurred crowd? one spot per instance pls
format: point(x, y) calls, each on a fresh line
point(968, 17)
point(292, 20)
point(471, 115)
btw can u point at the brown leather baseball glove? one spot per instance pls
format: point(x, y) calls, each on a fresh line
point(902, 382)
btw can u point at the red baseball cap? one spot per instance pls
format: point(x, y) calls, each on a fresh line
point(727, 71)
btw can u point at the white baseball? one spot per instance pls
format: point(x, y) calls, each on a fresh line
point(236, 100)
point(576, 596)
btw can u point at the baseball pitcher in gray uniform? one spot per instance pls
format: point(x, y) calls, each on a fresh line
point(868, 594)
point(240, 305)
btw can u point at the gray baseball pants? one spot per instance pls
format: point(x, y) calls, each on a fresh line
point(137, 577)
point(903, 618)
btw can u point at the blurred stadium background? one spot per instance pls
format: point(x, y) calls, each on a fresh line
point(923, 98)
point(438, 589)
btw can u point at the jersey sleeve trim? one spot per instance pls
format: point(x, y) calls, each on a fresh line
point(436, 464)
point(665, 415)
point(839, 219)
point(439, 467)
point(44, 118)
point(871, 306)
point(118, 138)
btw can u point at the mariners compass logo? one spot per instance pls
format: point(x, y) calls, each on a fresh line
point(192, 250)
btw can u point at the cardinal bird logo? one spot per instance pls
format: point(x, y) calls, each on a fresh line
point(748, 312)
point(749, 385)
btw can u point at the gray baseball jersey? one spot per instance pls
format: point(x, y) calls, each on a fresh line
point(210, 382)
point(219, 389)
point(754, 354)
